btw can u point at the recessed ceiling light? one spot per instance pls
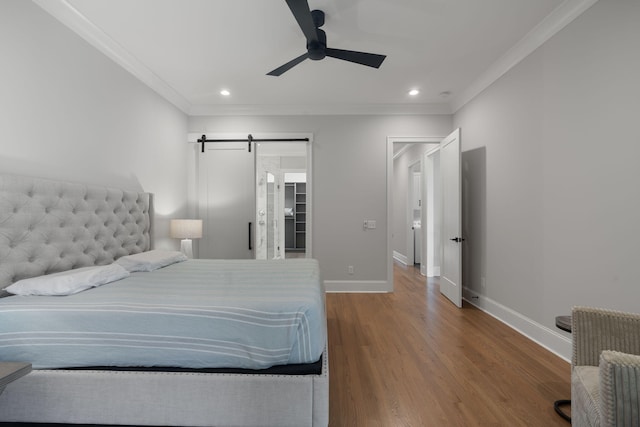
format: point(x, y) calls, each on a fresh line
point(225, 92)
point(414, 92)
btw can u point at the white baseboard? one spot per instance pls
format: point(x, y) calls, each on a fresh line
point(553, 341)
point(376, 286)
point(400, 258)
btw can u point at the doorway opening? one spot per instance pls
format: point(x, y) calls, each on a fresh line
point(281, 200)
point(448, 203)
point(411, 204)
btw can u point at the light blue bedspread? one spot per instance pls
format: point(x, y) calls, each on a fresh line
point(196, 314)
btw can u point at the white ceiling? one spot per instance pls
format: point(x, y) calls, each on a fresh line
point(188, 50)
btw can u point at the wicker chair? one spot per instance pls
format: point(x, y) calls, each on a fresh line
point(605, 372)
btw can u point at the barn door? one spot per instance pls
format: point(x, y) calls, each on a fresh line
point(226, 200)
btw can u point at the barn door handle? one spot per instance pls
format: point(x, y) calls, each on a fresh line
point(250, 248)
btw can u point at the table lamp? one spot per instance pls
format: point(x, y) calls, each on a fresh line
point(186, 229)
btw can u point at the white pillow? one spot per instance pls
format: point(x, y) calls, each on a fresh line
point(150, 260)
point(68, 282)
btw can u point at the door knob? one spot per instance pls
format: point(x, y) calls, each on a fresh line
point(457, 239)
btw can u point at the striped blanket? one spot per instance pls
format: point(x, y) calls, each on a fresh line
point(195, 314)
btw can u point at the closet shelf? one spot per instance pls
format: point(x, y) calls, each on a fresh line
point(295, 198)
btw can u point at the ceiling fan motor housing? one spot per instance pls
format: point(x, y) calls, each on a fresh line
point(317, 50)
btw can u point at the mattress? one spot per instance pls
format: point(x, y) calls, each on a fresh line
point(249, 314)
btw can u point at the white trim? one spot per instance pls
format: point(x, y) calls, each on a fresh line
point(319, 109)
point(401, 151)
point(308, 243)
point(77, 22)
point(356, 286)
point(552, 340)
point(402, 259)
point(547, 28)
point(431, 205)
point(416, 139)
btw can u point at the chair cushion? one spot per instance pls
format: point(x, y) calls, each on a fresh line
point(585, 396)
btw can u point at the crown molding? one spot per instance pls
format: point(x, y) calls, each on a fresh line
point(77, 22)
point(318, 109)
point(547, 28)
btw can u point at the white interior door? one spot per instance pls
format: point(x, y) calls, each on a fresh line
point(451, 266)
point(226, 200)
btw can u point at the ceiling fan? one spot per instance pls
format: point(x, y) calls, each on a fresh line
point(310, 23)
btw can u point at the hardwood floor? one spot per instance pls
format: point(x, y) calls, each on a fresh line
point(411, 358)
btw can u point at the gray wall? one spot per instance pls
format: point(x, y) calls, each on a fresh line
point(68, 112)
point(349, 183)
point(550, 153)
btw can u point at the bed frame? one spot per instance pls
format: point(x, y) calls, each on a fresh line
point(48, 226)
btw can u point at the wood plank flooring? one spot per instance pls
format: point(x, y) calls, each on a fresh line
point(411, 358)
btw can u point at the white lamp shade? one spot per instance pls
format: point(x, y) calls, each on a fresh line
point(186, 228)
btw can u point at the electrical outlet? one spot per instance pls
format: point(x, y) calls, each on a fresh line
point(350, 269)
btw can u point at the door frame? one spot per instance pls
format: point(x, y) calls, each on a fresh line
point(193, 184)
point(390, 141)
point(432, 216)
point(411, 190)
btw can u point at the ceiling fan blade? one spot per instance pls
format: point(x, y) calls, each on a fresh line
point(302, 13)
point(363, 58)
point(289, 65)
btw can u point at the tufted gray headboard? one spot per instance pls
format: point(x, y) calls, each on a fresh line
point(50, 226)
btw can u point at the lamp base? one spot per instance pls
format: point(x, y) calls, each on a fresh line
point(186, 247)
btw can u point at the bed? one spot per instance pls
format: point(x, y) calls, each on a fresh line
point(176, 367)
